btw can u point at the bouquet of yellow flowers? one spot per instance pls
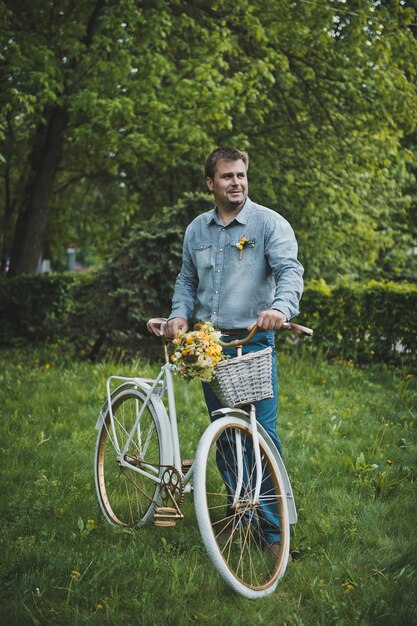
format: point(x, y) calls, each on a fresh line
point(197, 352)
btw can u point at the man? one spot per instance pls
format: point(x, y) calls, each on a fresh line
point(239, 268)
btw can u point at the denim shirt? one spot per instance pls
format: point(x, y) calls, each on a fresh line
point(220, 284)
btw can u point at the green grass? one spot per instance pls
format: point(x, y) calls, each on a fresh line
point(350, 449)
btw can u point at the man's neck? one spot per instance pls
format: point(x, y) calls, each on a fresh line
point(226, 216)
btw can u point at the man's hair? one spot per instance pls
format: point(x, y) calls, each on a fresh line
point(224, 154)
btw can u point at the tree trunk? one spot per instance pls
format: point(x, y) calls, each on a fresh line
point(46, 155)
point(33, 216)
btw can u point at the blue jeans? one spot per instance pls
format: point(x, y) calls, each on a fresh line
point(266, 415)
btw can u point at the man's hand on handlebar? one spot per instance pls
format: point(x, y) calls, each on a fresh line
point(272, 319)
point(173, 325)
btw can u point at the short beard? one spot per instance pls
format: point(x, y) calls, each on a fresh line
point(233, 204)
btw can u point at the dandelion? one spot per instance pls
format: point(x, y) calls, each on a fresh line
point(47, 366)
point(98, 607)
point(74, 578)
point(348, 585)
point(389, 461)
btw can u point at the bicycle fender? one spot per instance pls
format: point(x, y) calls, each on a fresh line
point(243, 415)
point(133, 383)
point(160, 411)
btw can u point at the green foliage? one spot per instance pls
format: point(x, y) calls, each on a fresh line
point(134, 285)
point(374, 321)
point(146, 90)
point(322, 94)
point(330, 155)
point(349, 437)
point(32, 308)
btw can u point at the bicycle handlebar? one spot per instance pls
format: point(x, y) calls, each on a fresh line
point(157, 324)
point(295, 328)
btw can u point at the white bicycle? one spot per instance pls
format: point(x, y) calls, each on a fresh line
point(140, 478)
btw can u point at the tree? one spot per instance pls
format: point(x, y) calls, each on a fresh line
point(323, 94)
point(103, 97)
point(344, 99)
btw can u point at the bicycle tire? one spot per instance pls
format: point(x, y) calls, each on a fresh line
point(243, 560)
point(126, 497)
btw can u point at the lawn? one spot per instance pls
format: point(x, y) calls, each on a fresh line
point(349, 437)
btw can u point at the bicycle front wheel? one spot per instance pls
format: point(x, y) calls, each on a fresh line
point(235, 529)
point(128, 497)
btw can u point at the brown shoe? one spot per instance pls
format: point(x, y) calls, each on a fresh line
point(274, 549)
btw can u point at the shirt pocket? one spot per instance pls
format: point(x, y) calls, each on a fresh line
point(202, 252)
point(242, 259)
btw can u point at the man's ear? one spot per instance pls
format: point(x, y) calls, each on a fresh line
point(209, 182)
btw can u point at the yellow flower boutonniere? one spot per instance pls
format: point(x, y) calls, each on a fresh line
point(243, 243)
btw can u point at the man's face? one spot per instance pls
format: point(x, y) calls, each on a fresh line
point(229, 185)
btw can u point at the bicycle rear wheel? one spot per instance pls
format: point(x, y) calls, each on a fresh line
point(127, 497)
point(234, 528)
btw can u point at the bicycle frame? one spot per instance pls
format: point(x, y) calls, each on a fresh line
point(161, 386)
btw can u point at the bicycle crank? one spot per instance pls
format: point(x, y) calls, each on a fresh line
point(172, 495)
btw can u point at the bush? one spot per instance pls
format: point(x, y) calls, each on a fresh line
point(33, 307)
point(136, 284)
point(374, 321)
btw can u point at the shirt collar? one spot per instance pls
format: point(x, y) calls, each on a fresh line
point(242, 217)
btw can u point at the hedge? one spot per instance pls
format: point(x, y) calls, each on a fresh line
point(32, 307)
point(372, 322)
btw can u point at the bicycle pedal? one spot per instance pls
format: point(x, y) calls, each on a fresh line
point(186, 464)
point(166, 516)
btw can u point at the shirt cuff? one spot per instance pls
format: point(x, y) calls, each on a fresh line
point(178, 312)
point(284, 310)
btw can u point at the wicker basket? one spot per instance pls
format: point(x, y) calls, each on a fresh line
point(244, 379)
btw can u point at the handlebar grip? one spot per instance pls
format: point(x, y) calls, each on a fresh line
point(297, 328)
point(156, 325)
